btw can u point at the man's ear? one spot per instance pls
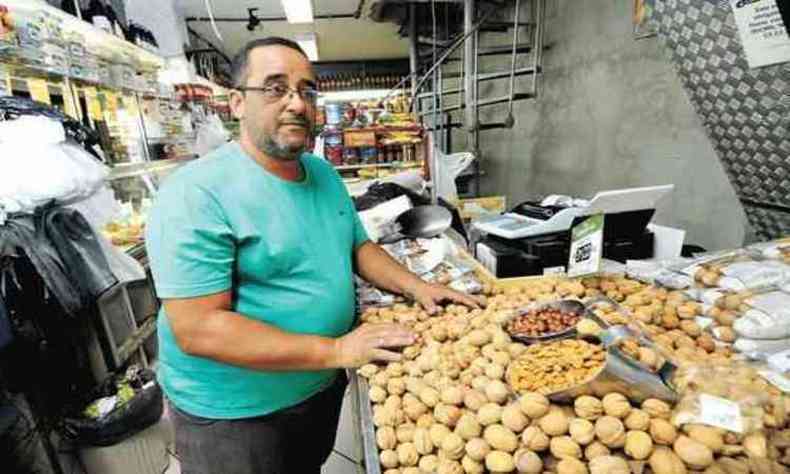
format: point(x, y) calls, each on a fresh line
point(236, 102)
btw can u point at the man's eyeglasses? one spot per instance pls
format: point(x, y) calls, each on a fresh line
point(276, 92)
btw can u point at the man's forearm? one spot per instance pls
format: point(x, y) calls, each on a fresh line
point(375, 265)
point(232, 338)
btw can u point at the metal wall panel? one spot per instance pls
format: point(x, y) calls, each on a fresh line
point(746, 112)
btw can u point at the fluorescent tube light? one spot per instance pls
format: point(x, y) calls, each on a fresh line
point(309, 44)
point(298, 11)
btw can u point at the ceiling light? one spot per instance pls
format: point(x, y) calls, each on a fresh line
point(309, 44)
point(298, 11)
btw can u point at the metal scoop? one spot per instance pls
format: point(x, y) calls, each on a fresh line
point(420, 222)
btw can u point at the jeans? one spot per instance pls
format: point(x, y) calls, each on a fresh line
point(294, 440)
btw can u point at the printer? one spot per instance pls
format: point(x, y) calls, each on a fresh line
point(534, 238)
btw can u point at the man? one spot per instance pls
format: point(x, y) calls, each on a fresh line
point(252, 250)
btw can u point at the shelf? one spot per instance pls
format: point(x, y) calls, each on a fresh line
point(101, 43)
point(360, 167)
point(127, 170)
point(379, 165)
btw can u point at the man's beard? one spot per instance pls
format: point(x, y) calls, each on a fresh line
point(278, 150)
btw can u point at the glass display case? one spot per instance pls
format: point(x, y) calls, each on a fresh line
point(134, 186)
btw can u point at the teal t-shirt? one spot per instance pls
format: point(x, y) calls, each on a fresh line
point(284, 248)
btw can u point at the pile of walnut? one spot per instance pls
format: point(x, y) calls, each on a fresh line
point(669, 318)
point(446, 409)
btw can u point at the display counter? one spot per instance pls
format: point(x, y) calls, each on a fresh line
point(671, 366)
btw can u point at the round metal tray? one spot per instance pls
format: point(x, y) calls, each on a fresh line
point(568, 306)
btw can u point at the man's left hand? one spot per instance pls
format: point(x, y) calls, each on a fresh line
point(430, 295)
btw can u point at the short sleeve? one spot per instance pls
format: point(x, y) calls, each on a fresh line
point(360, 235)
point(190, 245)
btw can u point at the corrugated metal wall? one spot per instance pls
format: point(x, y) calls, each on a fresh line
point(746, 112)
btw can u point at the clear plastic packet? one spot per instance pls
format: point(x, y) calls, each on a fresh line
point(772, 250)
point(739, 272)
point(728, 396)
point(468, 284)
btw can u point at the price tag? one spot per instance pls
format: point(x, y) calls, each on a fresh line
point(39, 90)
point(586, 247)
point(94, 106)
point(720, 412)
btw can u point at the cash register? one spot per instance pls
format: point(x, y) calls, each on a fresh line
point(534, 237)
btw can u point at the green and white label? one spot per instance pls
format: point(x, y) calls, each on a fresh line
point(586, 247)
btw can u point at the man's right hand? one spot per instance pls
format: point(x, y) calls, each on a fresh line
point(368, 343)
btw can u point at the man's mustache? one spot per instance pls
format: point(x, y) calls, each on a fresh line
point(301, 121)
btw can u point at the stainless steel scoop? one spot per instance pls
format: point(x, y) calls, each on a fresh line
point(420, 222)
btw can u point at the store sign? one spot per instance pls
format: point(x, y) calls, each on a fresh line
point(762, 31)
point(39, 90)
point(586, 247)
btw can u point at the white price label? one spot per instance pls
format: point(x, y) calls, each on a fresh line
point(586, 247)
point(720, 412)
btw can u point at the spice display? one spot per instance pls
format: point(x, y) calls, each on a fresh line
point(543, 322)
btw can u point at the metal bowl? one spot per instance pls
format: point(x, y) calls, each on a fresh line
point(568, 306)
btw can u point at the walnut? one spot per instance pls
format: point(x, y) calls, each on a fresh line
point(571, 466)
point(534, 405)
point(616, 405)
point(468, 427)
point(582, 431)
point(513, 418)
point(663, 432)
point(637, 420)
point(656, 408)
point(564, 446)
point(587, 407)
point(385, 438)
point(609, 465)
point(498, 461)
point(610, 431)
point(554, 423)
point(595, 449)
point(638, 445)
point(528, 462)
point(422, 441)
point(695, 454)
point(501, 438)
point(477, 449)
point(489, 414)
point(535, 439)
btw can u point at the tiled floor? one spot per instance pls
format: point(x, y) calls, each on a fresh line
point(344, 459)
